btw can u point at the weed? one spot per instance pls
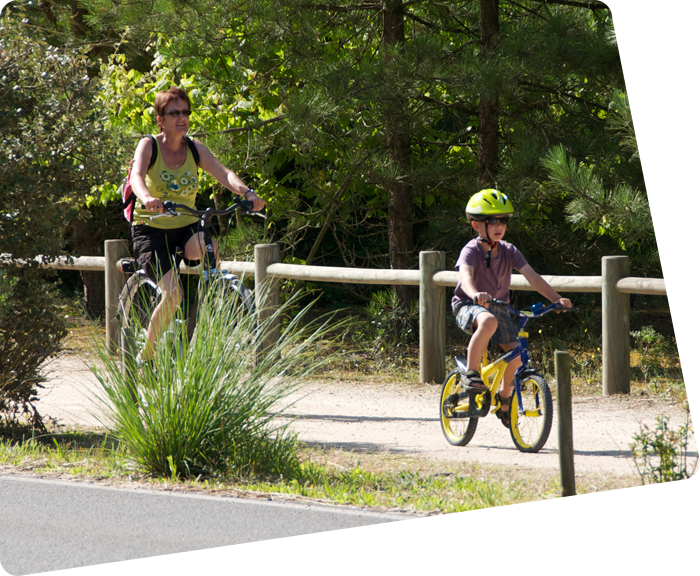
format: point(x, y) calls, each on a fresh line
point(661, 455)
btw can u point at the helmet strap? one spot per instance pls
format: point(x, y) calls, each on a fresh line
point(491, 244)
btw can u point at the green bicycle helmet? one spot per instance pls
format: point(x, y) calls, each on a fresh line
point(487, 203)
point(482, 206)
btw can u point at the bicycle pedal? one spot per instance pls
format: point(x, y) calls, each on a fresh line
point(468, 404)
point(128, 265)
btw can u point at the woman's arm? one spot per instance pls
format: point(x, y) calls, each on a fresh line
point(226, 177)
point(142, 158)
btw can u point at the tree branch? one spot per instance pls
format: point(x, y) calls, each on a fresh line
point(588, 5)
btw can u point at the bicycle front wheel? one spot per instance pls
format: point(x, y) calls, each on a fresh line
point(137, 302)
point(531, 423)
point(457, 430)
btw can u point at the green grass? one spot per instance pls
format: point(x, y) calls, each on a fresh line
point(378, 481)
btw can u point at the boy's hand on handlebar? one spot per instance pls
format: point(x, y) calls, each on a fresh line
point(481, 298)
point(564, 302)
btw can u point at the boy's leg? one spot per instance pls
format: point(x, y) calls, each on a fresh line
point(508, 376)
point(485, 325)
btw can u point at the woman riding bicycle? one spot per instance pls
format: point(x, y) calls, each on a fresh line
point(162, 243)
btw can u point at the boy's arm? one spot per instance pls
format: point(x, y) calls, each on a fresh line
point(466, 277)
point(541, 285)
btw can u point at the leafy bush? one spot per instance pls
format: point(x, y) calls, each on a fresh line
point(209, 408)
point(30, 332)
point(661, 455)
point(389, 323)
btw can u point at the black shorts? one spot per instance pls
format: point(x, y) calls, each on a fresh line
point(158, 250)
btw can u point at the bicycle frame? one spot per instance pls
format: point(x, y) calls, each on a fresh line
point(497, 368)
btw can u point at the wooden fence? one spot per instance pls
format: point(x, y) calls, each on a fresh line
point(614, 284)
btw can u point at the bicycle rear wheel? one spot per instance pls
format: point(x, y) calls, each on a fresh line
point(530, 427)
point(137, 302)
point(457, 430)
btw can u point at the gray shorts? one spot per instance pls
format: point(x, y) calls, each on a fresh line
point(507, 331)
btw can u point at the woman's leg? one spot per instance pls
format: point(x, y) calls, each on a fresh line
point(196, 250)
point(164, 312)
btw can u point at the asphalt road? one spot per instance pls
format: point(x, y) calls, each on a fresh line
point(65, 528)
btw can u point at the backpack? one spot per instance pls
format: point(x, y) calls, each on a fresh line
point(127, 193)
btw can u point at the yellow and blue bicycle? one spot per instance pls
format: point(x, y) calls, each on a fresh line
point(531, 410)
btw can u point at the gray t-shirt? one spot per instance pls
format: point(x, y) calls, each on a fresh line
point(494, 280)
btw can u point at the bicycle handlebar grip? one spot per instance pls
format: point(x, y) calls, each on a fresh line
point(558, 306)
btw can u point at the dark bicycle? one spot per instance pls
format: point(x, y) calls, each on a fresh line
point(140, 296)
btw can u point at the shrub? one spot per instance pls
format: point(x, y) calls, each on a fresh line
point(209, 408)
point(661, 455)
point(30, 332)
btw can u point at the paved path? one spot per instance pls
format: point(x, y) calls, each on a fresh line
point(55, 528)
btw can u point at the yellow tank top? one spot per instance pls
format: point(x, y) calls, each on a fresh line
point(180, 185)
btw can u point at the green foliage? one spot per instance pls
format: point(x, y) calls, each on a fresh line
point(650, 225)
point(30, 332)
point(389, 323)
point(208, 408)
point(661, 455)
point(53, 148)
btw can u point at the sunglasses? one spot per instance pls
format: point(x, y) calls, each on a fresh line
point(493, 220)
point(176, 113)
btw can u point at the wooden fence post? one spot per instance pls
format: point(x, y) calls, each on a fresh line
point(267, 295)
point(432, 319)
point(616, 327)
point(562, 365)
point(114, 282)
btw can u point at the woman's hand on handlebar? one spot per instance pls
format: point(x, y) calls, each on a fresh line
point(258, 203)
point(153, 205)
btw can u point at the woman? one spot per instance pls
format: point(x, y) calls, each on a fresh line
point(160, 244)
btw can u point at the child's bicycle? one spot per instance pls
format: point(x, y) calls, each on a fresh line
point(531, 409)
point(141, 295)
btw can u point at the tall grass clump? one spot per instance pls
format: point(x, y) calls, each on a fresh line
point(209, 408)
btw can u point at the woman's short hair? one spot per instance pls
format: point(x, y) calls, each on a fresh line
point(172, 93)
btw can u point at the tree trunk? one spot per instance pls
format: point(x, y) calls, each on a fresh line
point(400, 208)
point(487, 159)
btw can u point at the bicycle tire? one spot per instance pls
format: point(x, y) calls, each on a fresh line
point(530, 430)
point(138, 299)
point(457, 431)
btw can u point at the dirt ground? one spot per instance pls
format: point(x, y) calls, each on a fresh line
point(403, 419)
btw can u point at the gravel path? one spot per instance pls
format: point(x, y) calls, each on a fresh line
point(403, 419)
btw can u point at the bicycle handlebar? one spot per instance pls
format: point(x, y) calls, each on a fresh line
point(173, 209)
point(536, 310)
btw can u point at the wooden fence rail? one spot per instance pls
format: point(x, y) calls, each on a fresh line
point(614, 284)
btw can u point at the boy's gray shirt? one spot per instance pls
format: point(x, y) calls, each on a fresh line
point(494, 280)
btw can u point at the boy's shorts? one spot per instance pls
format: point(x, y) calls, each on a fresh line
point(466, 313)
point(158, 250)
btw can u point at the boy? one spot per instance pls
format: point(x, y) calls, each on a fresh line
point(485, 265)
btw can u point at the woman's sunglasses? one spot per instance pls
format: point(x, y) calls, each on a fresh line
point(176, 113)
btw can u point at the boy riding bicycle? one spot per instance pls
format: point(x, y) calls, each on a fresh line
point(485, 264)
